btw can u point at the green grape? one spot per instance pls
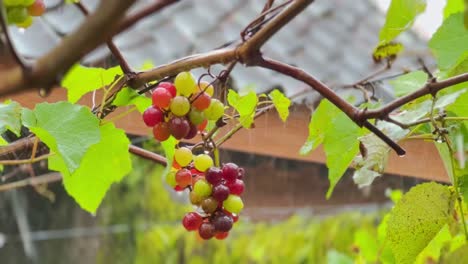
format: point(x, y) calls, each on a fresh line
point(215, 110)
point(17, 15)
point(185, 83)
point(196, 117)
point(180, 106)
point(202, 188)
point(27, 23)
point(233, 204)
point(203, 162)
point(12, 2)
point(183, 156)
point(170, 179)
point(27, 3)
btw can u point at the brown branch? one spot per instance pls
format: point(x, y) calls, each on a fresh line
point(147, 155)
point(428, 88)
point(46, 71)
point(32, 181)
point(110, 44)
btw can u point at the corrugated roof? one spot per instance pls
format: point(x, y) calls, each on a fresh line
point(333, 40)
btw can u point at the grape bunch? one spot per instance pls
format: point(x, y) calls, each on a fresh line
point(214, 191)
point(20, 12)
point(182, 108)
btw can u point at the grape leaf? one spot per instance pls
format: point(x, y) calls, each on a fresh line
point(335, 257)
point(245, 106)
point(433, 249)
point(449, 42)
point(128, 96)
point(408, 83)
point(453, 7)
point(460, 67)
point(169, 149)
point(103, 164)
point(417, 218)
point(318, 125)
point(460, 255)
point(10, 117)
point(367, 244)
point(80, 80)
point(67, 129)
point(281, 103)
point(3, 142)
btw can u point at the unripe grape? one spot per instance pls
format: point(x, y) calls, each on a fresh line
point(17, 15)
point(25, 24)
point(209, 205)
point(196, 117)
point(233, 204)
point(215, 110)
point(180, 106)
point(183, 178)
point(27, 3)
point(170, 87)
point(170, 179)
point(37, 8)
point(202, 101)
point(202, 162)
point(206, 230)
point(202, 188)
point(9, 3)
point(179, 127)
point(192, 221)
point(195, 199)
point(153, 116)
point(185, 83)
point(183, 156)
point(161, 97)
point(205, 86)
point(161, 131)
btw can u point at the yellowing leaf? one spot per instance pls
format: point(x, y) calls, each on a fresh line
point(80, 80)
point(386, 50)
point(245, 106)
point(281, 103)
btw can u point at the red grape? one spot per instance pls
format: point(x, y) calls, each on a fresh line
point(179, 127)
point(37, 8)
point(183, 178)
point(202, 102)
point(192, 132)
point(221, 235)
point(223, 222)
point(241, 173)
point(161, 131)
point(230, 172)
point(220, 192)
point(170, 87)
point(202, 126)
point(236, 187)
point(206, 230)
point(177, 188)
point(161, 97)
point(192, 221)
point(214, 175)
point(153, 116)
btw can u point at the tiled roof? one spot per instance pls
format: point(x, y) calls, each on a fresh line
point(332, 39)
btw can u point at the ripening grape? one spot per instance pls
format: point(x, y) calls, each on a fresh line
point(233, 204)
point(183, 156)
point(202, 101)
point(192, 221)
point(205, 86)
point(180, 106)
point(221, 235)
point(16, 15)
point(214, 175)
point(183, 178)
point(236, 187)
point(161, 131)
point(202, 188)
point(170, 87)
point(220, 192)
point(202, 162)
point(203, 125)
point(161, 97)
point(196, 178)
point(37, 8)
point(185, 83)
point(196, 117)
point(153, 116)
point(192, 132)
point(195, 199)
point(170, 179)
point(179, 127)
point(215, 110)
point(230, 172)
point(222, 222)
point(209, 205)
point(206, 230)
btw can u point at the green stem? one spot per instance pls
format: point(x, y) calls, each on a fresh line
point(229, 134)
point(216, 157)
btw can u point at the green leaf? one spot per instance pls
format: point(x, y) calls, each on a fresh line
point(281, 103)
point(400, 17)
point(245, 106)
point(335, 257)
point(3, 142)
point(169, 146)
point(128, 96)
point(81, 80)
point(453, 7)
point(408, 83)
point(67, 129)
point(318, 125)
point(10, 117)
point(460, 67)
point(434, 247)
point(449, 42)
point(458, 256)
point(368, 245)
point(460, 106)
point(417, 218)
point(103, 164)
